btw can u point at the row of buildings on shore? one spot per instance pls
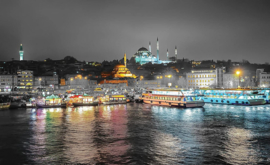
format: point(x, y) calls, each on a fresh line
point(143, 70)
point(25, 80)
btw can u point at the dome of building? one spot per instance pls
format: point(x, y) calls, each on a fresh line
point(142, 49)
point(119, 66)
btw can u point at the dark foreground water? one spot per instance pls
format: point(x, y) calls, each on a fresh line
point(136, 134)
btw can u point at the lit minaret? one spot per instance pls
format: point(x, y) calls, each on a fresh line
point(21, 52)
point(157, 50)
point(175, 53)
point(125, 60)
point(167, 55)
point(150, 47)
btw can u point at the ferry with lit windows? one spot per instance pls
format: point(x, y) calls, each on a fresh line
point(114, 99)
point(82, 100)
point(171, 97)
point(264, 94)
point(230, 96)
point(50, 102)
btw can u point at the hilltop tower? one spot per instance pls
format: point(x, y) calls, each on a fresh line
point(167, 55)
point(175, 53)
point(21, 52)
point(150, 47)
point(157, 50)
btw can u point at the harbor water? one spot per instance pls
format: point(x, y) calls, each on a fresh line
point(136, 134)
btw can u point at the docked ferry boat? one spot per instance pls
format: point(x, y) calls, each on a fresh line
point(114, 99)
point(264, 94)
point(230, 96)
point(82, 100)
point(31, 103)
point(50, 102)
point(172, 97)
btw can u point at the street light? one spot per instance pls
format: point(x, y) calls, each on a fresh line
point(238, 73)
point(169, 77)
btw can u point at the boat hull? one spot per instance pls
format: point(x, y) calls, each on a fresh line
point(51, 106)
point(85, 104)
point(187, 104)
point(246, 102)
point(4, 106)
point(118, 102)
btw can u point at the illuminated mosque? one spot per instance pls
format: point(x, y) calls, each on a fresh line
point(144, 56)
point(119, 71)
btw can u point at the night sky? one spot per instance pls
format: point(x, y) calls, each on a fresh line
point(105, 29)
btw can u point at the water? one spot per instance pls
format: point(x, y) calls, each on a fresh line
point(136, 134)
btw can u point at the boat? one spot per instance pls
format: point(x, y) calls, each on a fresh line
point(19, 103)
point(230, 96)
point(138, 98)
point(31, 103)
point(264, 94)
point(172, 97)
point(82, 100)
point(4, 105)
point(50, 102)
point(114, 99)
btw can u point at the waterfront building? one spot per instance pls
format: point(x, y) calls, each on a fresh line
point(77, 81)
point(230, 80)
point(7, 82)
point(202, 78)
point(21, 52)
point(263, 78)
point(46, 81)
point(149, 83)
point(25, 79)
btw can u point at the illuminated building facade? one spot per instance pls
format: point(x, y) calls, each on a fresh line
point(143, 56)
point(120, 71)
point(47, 81)
point(77, 81)
point(263, 78)
point(25, 79)
point(21, 52)
point(203, 78)
point(7, 82)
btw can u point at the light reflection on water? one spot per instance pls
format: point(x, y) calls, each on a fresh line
point(136, 134)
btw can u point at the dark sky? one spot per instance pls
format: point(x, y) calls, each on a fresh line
point(104, 29)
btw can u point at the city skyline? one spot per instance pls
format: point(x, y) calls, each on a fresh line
point(97, 31)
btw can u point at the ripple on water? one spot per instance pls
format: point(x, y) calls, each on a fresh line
point(136, 134)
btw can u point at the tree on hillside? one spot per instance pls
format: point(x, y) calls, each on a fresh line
point(70, 59)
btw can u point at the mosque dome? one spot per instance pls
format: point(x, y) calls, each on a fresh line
point(119, 66)
point(142, 49)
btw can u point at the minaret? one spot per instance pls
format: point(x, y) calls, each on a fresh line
point(21, 52)
point(125, 60)
point(175, 53)
point(167, 55)
point(157, 51)
point(150, 47)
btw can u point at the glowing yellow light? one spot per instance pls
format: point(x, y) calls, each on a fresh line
point(238, 72)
